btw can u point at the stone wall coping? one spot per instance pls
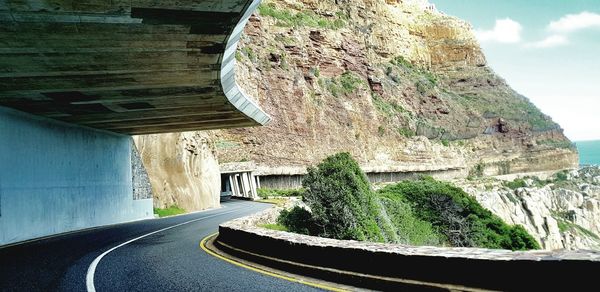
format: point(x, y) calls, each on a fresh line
point(250, 223)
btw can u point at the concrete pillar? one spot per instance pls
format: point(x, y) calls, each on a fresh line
point(237, 186)
point(57, 177)
point(246, 185)
point(232, 185)
point(253, 186)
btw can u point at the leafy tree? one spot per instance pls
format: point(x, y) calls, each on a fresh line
point(342, 203)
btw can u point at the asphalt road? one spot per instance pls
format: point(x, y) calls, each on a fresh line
point(169, 260)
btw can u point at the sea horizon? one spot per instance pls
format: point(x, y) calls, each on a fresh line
point(589, 152)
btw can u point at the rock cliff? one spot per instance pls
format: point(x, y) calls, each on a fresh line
point(562, 214)
point(401, 86)
point(183, 169)
point(398, 84)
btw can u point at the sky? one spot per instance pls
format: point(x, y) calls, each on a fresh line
point(547, 50)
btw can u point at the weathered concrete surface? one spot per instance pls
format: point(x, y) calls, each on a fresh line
point(183, 169)
point(132, 67)
point(468, 267)
point(56, 177)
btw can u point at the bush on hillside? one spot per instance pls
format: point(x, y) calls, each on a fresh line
point(267, 192)
point(459, 217)
point(297, 220)
point(515, 184)
point(409, 229)
point(423, 212)
point(342, 203)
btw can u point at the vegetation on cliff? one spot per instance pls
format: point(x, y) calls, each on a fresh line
point(170, 211)
point(423, 212)
point(269, 193)
point(458, 216)
point(342, 203)
point(396, 85)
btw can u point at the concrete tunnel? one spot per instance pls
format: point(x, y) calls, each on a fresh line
point(77, 78)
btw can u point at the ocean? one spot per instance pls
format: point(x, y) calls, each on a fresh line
point(589, 152)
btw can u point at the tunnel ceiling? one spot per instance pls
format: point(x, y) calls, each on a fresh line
point(127, 66)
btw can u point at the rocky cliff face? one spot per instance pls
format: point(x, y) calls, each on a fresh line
point(562, 214)
point(183, 169)
point(398, 84)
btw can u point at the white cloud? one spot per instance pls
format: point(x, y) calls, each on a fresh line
point(505, 31)
point(574, 22)
point(549, 42)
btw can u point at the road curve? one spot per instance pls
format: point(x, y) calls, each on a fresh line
point(169, 260)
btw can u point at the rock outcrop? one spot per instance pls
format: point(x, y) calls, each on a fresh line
point(183, 169)
point(398, 84)
point(562, 214)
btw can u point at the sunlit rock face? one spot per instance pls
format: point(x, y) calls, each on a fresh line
point(563, 214)
point(400, 85)
point(183, 169)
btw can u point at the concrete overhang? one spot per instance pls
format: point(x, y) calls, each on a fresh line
point(126, 66)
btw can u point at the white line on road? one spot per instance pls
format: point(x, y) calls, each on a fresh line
point(89, 278)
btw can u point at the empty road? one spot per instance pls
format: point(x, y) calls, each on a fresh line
point(167, 260)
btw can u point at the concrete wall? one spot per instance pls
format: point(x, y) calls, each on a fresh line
point(281, 181)
point(295, 181)
point(56, 177)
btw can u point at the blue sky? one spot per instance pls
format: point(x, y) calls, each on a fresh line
point(547, 50)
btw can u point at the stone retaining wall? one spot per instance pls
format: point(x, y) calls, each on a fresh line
point(469, 267)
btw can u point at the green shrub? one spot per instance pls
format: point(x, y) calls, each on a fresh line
point(306, 18)
point(445, 142)
point(406, 132)
point(250, 54)
point(515, 184)
point(425, 211)
point(430, 77)
point(344, 84)
point(350, 82)
point(342, 203)
point(401, 62)
point(297, 220)
point(389, 109)
point(267, 192)
point(315, 72)
point(561, 176)
point(173, 210)
point(409, 228)
point(459, 217)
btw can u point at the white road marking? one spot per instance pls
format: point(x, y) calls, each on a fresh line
point(89, 278)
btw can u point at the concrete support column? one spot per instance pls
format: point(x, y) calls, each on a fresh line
point(246, 185)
